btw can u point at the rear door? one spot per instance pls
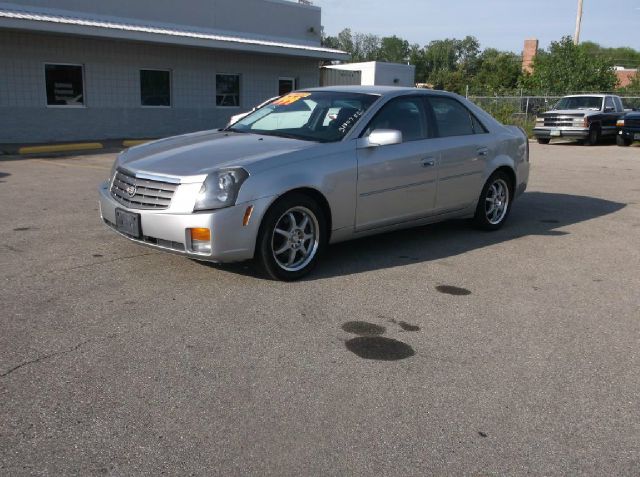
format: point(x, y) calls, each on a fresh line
point(397, 183)
point(465, 146)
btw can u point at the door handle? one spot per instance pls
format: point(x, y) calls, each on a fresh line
point(483, 152)
point(428, 162)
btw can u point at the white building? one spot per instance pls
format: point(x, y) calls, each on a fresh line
point(380, 73)
point(98, 69)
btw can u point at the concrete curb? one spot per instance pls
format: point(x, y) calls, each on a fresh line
point(47, 148)
point(27, 150)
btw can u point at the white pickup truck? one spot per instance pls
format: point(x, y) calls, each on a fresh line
point(585, 117)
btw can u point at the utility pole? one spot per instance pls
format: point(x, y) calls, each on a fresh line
point(576, 37)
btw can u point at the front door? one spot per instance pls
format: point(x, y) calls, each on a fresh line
point(397, 183)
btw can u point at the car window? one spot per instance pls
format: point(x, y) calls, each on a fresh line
point(295, 117)
point(406, 115)
point(478, 127)
point(323, 116)
point(452, 118)
point(579, 102)
point(608, 103)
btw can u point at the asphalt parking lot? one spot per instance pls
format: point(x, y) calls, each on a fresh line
point(506, 353)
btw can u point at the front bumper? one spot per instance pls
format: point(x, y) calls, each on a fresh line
point(167, 230)
point(631, 134)
point(551, 133)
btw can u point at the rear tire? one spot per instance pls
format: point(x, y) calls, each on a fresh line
point(495, 202)
point(594, 136)
point(623, 142)
point(292, 236)
point(543, 140)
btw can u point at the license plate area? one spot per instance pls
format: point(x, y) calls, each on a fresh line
point(555, 133)
point(636, 137)
point(128, 223)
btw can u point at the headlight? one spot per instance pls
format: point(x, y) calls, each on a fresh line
point(220, 189)
point(539, 120)
point(114, 167)
point(620, 123)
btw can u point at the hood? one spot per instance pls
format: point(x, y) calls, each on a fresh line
point(569, 112)
point(198, 154)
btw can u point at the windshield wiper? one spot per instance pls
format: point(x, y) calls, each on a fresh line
point(232, 129)
point(284, 135)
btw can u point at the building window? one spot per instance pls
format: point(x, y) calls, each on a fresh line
point(65, 85)
point(228, 90)
point(286, 85)
point(155, 88)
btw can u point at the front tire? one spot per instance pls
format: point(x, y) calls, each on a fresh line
point(544, 140)
point(495, 202)
point(623, 142)
point(594, 136)
point(292, 236)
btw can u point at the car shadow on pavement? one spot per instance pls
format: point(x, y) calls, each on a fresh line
point(535, 213)
point(3, 175)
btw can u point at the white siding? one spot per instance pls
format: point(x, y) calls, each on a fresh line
point(112, 87)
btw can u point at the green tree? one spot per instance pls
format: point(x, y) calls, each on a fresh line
point(622, 56)
point(394, 49)
point(498, 72)
point(568, 68)
point(361, 46)
point(417, 58)
point(451, 63)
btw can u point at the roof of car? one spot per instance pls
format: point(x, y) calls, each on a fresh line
point(593, 95)
point(369, 89)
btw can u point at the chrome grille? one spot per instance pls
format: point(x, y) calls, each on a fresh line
point(147, 194)
point(565, 120)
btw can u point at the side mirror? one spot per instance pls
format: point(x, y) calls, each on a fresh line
point(609, 109)
point(383, 137)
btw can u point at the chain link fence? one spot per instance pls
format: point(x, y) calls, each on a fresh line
point(522, 110)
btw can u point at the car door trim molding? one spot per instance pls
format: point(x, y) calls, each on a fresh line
point(442, 179)
point(391, 189)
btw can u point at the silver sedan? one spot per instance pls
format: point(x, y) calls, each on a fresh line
point(316, 167)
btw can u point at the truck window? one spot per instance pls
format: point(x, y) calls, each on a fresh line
point(608, 104)
point(619, 105)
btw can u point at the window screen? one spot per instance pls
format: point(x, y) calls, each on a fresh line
point(155, 88)
point(64, 85)
point(228, 90)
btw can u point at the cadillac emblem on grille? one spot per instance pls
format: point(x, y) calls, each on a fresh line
point(131, 190)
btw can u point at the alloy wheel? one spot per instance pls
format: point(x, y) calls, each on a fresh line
point(497, 201)
point(295, 239)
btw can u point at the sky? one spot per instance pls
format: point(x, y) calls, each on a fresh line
point(502, 24)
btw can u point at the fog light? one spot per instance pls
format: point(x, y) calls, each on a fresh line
point(200, 240)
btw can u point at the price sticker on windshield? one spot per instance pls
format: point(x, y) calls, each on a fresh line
point(290, 99)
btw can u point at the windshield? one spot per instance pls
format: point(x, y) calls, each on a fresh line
point(580, 102)
point(322, 116)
